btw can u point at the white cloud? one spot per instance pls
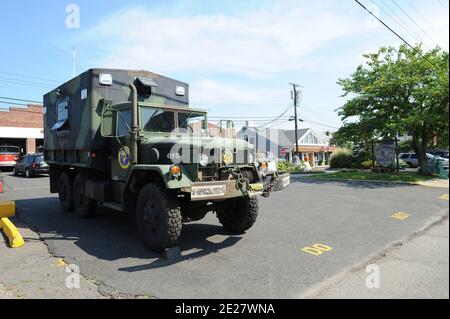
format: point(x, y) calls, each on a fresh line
point(252, 44)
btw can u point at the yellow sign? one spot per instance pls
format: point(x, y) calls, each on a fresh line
point(444, 197)
point(228, 158)
point(317, 249)
point(124, 157)
point(401, 216)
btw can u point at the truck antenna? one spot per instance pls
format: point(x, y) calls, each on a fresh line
point(74, 56)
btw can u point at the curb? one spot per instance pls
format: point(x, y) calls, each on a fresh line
point(15, 239)
point(359, 180)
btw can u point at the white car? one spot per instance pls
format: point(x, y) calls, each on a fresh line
point(412, 160)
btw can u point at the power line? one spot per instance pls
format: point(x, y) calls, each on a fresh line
point(288, 108)
point(401, 24)
point(20, 83)
point(426, 21)
point(20, 100)
point(409, 17)
point(29, 77)
point(399, 36)
point(12, 103)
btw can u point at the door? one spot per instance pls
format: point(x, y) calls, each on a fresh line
point(120, 147)
point(22, 164)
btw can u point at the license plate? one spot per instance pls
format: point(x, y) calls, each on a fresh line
point(208, 191)
point(44, 165)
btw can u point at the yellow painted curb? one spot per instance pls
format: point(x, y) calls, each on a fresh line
point(15, 239)
point(7, 209)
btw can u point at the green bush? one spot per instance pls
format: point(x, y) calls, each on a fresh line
point(342, 158)
point(367, 164)
point(287, 167)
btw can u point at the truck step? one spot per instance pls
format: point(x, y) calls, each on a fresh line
point(113, 205)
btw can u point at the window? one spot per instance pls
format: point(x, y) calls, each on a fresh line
point(191, 122)
point(123, 122)
point(62, 110)
point(310, 139)
point(413, 156)
point(9, 149)
point(62, 114)
point(404, 156)
point(158, 120)
point(39, 159)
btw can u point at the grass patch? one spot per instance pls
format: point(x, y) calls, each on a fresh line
point(391, 177)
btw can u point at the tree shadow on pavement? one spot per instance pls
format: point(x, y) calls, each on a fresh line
point(356, 184)
point(110, 235)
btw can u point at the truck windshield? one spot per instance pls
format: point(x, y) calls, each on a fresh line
point(191, 122)
point(157, 120)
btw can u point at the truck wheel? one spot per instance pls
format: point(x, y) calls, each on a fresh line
point(84, 206)
point(237, 215)
point(65, 192)
point(158, 218)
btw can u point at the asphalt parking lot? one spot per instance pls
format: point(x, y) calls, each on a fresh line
point(353, 220)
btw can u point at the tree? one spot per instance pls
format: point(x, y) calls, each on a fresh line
point(398, 91)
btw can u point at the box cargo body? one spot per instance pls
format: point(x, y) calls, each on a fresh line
point(73, 113)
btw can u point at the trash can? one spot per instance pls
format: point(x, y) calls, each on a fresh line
point(437, 168)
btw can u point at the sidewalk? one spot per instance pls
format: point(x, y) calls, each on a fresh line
point(419, 268)
point(32, 272)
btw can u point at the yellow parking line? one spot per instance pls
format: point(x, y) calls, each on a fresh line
point(317, 249)
point(444, 197)
point(401, 216)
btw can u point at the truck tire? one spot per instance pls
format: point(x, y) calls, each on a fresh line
point(84, 206)
point(158, 218)
point(65, 191)
point(237, 215)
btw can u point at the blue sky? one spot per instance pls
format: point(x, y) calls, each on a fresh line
point(237, 56)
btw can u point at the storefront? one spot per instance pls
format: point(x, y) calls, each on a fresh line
point(22, 127)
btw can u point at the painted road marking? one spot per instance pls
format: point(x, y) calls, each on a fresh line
point(401, 216)
point(317, 249)
point(444, 197)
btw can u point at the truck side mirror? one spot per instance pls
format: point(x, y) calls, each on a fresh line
point(108, 122)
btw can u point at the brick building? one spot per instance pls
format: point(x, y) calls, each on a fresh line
point(23, 127)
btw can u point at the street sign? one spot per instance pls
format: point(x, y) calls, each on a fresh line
point(385, 153)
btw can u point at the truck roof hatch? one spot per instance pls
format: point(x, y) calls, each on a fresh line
point(144, 85)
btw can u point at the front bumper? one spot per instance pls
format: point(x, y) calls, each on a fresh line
point(8, 164)
point(221, 190)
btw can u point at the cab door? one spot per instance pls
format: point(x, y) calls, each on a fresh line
point(120, 146)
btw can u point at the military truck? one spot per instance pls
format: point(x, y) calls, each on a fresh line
point(129, 140)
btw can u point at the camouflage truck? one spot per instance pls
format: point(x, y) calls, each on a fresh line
point(129, 140)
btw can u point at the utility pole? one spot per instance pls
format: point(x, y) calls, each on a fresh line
point(296, 98)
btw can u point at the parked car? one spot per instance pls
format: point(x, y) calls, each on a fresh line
point(8, 156)
point(441, 153)
point(412, 160)
point(31, 165)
